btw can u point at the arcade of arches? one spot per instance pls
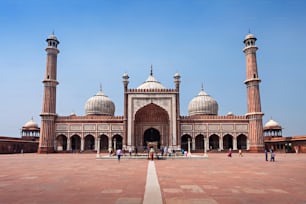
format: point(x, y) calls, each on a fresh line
point(150, 136)
point(88, 143)
point(214, 142)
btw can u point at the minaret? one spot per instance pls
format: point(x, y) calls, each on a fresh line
point(177, 82)
point(125, 81)
point(254, 114)
point(48, 115)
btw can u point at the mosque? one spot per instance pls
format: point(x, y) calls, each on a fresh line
point(151, 116)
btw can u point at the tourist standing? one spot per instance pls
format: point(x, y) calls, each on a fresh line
point(229, 154)
point(130, 151)
point(119, 153)
point(266, 154)
point(110, 151)
point(151, 153)
point(162, 151)
point(136, 151)
point(165, 150)
point(240, 153)
point(272, 156)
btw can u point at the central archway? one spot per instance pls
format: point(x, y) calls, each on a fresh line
point(151, 137)
point(151, 124)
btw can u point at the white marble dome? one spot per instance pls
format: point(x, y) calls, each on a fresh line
point(52, 37)
point(249, 36)
point(31, 124)
point(203, 104)
point(151, 83)
point(272, 124)
point(100, 104)
point(249, 40)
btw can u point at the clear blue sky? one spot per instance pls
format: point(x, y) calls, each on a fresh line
point(200, 39)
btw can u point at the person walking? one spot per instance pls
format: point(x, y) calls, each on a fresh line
point(272, 156)
point(165, 150)
point(119, 153)
point(162, 151)
point(229, 154)
point(152, 153)
point(266, 154)
point(130, 151)
point(110, 151)
point(136, 150)
point(240, 153)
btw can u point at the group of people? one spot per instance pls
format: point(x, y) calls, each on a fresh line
point(229, 153)
point(165, 150)
point(272, 155)
point(119, 152)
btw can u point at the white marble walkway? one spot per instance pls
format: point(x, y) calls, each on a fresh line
point(152, 193)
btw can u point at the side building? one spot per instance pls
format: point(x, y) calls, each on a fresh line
point(27, 143)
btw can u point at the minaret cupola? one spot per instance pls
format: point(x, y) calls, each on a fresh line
point(52, 41)
point(249, 41)
point(177, 81)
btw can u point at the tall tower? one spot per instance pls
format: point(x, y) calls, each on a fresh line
point(125, 78)
point(254, 114)
point(48, 115)
point(177, 82)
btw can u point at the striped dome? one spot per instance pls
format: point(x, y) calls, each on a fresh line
point(100, 104)
point(203, 104)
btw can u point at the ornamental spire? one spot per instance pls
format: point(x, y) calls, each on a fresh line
point(202, 87)
point(100, 86)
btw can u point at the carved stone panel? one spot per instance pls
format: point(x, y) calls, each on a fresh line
point(213, 127)
point(227, 127)
point(103, 127)
point(117, 127)
point(61, 127)
point(200, 127)
point(89, 127)
point(186, 127)
point(242, 128)
point(75, 127)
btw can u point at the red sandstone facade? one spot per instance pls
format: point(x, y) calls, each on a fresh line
point(48, 115)
point(252, 81)
point(151, 115)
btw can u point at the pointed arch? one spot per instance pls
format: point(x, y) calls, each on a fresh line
point(151, 116)
point(117, 142)
point(242, 141)
point(151, 113)
point(228, 141)
point(214, 142)
point(151, 136)
point(199, 142)
point(75, 142)
point(184, 141)
point(61, 142)
point(103, 142)
point(89, 142)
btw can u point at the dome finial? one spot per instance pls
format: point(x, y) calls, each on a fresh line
point(202, 87)
point(100, 86)
point(151, 71)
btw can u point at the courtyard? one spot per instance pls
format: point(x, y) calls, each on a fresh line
point(81, 178)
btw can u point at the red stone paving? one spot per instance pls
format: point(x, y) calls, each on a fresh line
point(80, 178)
